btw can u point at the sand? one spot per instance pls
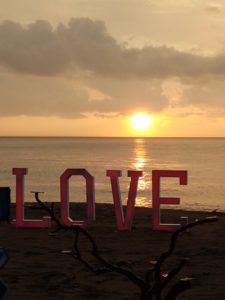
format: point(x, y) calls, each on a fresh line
point(38, 270)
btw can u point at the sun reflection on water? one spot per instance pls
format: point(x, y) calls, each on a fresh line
point(139, 163)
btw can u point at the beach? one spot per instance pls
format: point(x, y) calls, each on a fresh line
point(38, 270)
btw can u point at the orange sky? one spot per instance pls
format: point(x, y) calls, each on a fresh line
point(82, 68)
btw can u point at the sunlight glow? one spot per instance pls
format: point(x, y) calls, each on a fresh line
point(141, 121)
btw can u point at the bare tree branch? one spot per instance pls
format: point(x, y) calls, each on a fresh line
point(95, 252)
point(173, 241)
point(152, 285)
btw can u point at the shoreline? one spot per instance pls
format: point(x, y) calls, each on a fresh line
point(38, 270)
point(164, 208)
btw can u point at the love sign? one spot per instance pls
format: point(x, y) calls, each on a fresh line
point(123, 221)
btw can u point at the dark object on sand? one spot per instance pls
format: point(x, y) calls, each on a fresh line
point(4, 203)
point(3, 260)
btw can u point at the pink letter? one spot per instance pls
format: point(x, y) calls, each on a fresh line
point(20, 222)
point(114, 174)
point(64, 179)
point(157, 200)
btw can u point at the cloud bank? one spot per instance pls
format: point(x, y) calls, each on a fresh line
point(107, 78)
point(40, 49)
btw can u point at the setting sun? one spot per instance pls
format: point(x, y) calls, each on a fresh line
point(141, 121)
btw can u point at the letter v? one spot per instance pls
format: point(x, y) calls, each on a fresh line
point(124, 224)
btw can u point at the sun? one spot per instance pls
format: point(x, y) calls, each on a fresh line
point(141, 121)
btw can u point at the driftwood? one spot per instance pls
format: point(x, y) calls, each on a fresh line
point(153, 283)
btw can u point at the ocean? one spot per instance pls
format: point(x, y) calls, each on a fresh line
point(47, 158)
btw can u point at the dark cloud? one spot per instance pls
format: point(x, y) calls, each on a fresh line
point(86, 45)
point(121, 80)
point(35, 49)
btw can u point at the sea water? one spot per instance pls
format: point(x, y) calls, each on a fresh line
point(47, 158)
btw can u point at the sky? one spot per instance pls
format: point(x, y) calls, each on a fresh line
point(83, 68)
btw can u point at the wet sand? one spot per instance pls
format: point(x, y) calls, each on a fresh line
point(38, 270)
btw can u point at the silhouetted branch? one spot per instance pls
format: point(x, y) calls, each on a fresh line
point(173, 241)
point(178, 288)
point(152, 286)
point(173, 273)
point(50, 211)
point(95, 252)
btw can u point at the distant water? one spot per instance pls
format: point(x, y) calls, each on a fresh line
point(47, 158)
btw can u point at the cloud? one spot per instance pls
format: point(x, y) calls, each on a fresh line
point(71, 98)
point(76, 69)
point(206, 95)
point(35, 49)
point(200, 97)
point(84, 44)
point(41, 96)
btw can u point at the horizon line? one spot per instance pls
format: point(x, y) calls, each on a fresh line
point(136, 137)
